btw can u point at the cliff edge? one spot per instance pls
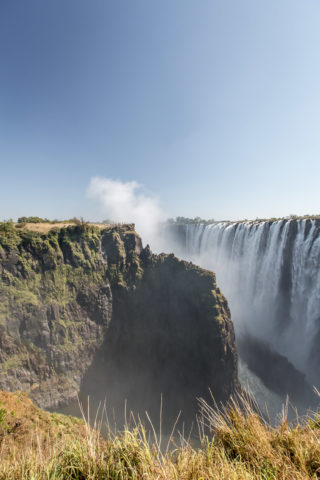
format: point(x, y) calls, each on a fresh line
point(89, 309)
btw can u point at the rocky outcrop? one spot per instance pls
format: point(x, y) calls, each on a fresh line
point(171, 335)
point(87, 308)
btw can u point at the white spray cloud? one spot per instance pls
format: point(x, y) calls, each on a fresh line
point(125, 202)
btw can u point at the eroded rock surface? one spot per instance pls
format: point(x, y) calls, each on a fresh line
point(83, 308)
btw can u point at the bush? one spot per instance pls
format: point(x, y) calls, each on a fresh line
point(32, 220)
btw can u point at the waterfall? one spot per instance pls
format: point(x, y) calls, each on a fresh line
point(270, 274)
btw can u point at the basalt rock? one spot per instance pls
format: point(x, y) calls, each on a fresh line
point(88, 309)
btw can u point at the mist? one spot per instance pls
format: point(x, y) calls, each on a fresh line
point(269, 273)
point(127, 202)
point(263, 270)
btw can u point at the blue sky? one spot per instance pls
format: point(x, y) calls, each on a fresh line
point(212, 106)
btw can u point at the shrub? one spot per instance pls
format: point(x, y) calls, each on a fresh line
point(32, 220)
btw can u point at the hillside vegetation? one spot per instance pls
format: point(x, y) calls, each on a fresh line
point(38, 445)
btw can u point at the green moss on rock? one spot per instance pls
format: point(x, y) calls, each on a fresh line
point(79, 296)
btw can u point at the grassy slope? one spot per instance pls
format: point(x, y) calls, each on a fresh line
point(39, 445)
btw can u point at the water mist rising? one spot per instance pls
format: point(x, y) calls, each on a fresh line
point(125, 202)
point(269, 272)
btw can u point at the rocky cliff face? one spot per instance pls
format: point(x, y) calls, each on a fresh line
point(88, 309)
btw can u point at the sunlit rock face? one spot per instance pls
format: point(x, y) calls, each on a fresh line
point(270, 273)
point(87, 309)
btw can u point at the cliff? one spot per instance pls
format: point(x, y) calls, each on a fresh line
point(269, 270)
point(87, 309)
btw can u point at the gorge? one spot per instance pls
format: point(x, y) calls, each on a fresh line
point(269, 272)
point(85, 309)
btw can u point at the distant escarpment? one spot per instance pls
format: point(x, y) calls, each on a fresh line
point(87, 309)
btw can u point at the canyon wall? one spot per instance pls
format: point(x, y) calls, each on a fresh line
point(88, 309)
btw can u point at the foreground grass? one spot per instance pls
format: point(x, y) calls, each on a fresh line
point(238, 445)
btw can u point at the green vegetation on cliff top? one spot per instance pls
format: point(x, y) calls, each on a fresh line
point(35, 264)
point(53, 266)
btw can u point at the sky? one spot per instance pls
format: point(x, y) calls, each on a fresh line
point(205, 108)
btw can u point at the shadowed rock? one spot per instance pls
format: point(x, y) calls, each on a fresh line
point(87, 307)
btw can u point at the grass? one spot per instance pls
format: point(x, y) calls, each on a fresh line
point(235, 444)
point(45, 227)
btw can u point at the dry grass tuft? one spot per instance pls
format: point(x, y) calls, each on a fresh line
point(45, 227)
point(236, 443)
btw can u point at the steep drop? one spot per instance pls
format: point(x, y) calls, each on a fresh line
point(270, 272)
point(88, 309)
